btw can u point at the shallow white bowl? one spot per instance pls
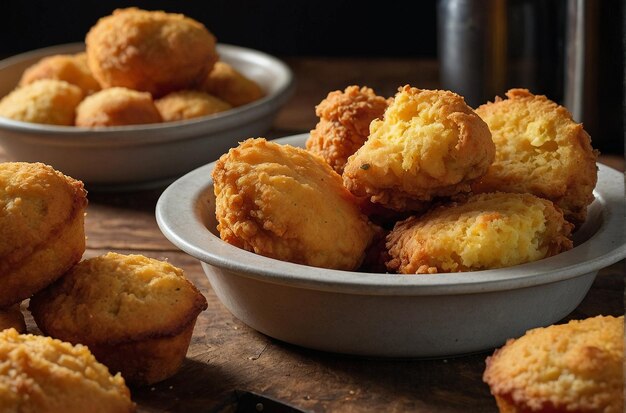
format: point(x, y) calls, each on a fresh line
point(392, 315)
point(136, 155)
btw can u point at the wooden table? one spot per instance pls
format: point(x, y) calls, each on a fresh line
point(226, 355)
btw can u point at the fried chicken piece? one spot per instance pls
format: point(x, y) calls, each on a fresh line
point(429, 144)
point(486, 231)
point(150, 51)
point(12, 317)
point(573, 367)
point(42, 232)
point(540, 150)
point(70, 68)
point(47, 101)
point(228, 84)
point(286, 203)
point(344, 124)
point(188, 104)
point(117, 106)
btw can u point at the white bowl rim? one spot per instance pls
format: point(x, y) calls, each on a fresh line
point(140, 133)
point(179, 219)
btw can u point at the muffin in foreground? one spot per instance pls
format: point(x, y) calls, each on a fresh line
point(541, 150)
point(574, 367)
point(47, 101)
point(429, 144)
point(136, 314)
point(286, 203)
point(485, 231)
point(42, 231)
point(344, 125)
point(40, 374)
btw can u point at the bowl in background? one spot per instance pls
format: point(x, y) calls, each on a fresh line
point(138, 155)
point(392, 315)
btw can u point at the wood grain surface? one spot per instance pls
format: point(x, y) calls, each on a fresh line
point(225, 355)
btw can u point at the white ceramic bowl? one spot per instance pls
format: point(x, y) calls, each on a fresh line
point(392, 315)
point(136, 155)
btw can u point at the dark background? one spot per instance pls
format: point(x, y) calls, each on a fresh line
point(340, 28)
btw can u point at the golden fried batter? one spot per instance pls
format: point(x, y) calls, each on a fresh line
point(540, 150)
point(70, 68)
point(150, 51)
point(486, 231)
point(573, 367)
point(429, 144)
point(135, 313)
point(40, 374)
point(225, 82)
point(42, 231)
point(12, 317)
point(188, 104)
point(286, 203)
point(46, 101)
point(117, 106)
point(344, 124)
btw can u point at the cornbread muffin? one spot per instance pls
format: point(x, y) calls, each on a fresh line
point(286, 203)
point(46, 101)
point(188, 104)
point(12, 317)
point(42, 230)
point(117, 106)
point(429, 144)
point(42, 375)
point(485, 231)
point(228, 84)
point(344, 125)
point(150, 51)
point(573, 367)
point(135, 314)
point(540, 150)
point(70, 68)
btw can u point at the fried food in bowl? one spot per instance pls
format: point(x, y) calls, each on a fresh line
point(117, 106)
point(230, 85)
point(344, 125)
point(47, 101)
point(136, 314)
point(573, 367)
point(286, 203)
point(12, 317)
point(189, 104)
point(429, 144)
point(541, 150)
point(71, 68)
point(150, 51)
point(40, 374)
point(42, 233)
point(485, 231)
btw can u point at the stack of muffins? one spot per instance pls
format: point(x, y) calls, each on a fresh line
point(134, 314)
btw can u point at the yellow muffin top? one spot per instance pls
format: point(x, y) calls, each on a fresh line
point(486, 231)
point(541, 150)
point(36, 201)
point(118, 298)
point(40, 374)
point(48, 101)
point(576, 366)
